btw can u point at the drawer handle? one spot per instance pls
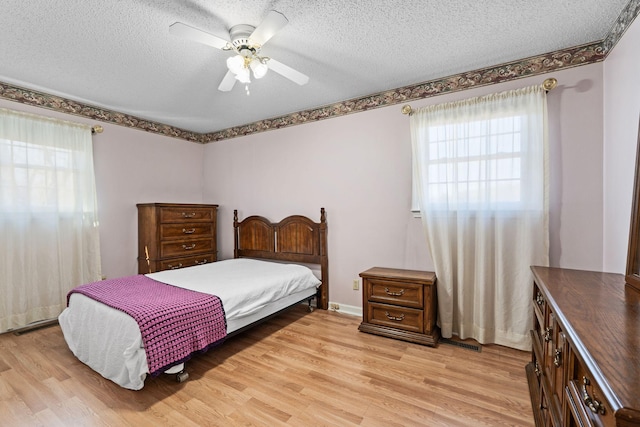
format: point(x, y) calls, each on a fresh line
point(204, 261)
point(557, 357)
point(188, 215)
point(173, 267)
point(539, 299)
point(396, 318)
point(547, 334)
point(191, 246)
point(593, 404)
point(394, 294)
point(189, 231)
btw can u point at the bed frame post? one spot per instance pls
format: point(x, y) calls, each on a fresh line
point(235, 233)
point(323, 292)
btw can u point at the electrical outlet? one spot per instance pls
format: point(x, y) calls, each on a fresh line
point(333, 306)
point(356, 284)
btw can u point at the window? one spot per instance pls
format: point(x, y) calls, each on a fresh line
point(480, 162)
point(37, 177)
point(480, 181)
point(48, 216)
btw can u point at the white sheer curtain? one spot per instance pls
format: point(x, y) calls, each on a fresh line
point(481, 177)
point(48, 216)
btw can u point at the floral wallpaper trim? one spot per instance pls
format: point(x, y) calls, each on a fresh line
point(546, 63)
point(580, 55)
point(630, 12)
point(63, 105)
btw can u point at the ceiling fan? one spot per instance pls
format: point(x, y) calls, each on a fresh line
point(246, 42)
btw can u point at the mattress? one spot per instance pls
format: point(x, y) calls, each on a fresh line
point(109, 341)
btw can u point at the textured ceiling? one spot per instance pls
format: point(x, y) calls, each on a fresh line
point(119, 55)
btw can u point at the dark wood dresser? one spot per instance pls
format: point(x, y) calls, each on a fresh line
point(400, 304)
point(585, 362)
point(172, 235)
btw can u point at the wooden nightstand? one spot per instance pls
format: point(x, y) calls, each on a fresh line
point(400, 304)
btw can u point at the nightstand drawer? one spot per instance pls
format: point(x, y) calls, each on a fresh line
point(394, 292)
point(408, 319)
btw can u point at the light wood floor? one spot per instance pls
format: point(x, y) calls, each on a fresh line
point(302, 369)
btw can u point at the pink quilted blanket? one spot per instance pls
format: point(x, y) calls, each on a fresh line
point(174, 322)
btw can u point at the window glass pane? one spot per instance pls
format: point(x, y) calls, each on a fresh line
point(37, 177)
point(479, 161)
point(19, 154)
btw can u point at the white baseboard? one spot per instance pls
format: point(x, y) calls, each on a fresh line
point(351, 310)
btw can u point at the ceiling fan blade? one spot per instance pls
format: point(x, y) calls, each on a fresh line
point(288, 72)
point(269, 27)
point(182, 30)
point(227, 82)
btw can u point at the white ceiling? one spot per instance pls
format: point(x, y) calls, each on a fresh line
point(119, 55)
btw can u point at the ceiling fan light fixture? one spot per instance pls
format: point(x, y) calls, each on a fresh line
point(259, 67)
point(246, 42)
point(243, 76)
point(235, 64)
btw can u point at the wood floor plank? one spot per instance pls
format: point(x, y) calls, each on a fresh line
point(297, 369)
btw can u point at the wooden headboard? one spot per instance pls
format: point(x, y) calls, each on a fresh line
point(296, 239)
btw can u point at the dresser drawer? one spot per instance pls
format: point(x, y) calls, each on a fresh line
point(186, 230)
point(186, 214)
point(185, 247)
point(176, 263)
point(539, 303)
point(394, 292)
point(591, 407)
point(408, 319)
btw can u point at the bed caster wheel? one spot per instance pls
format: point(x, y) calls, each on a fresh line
point(182, 376)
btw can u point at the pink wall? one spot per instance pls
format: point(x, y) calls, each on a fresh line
point(621, 113)
point(359, 168)
point(133, 166)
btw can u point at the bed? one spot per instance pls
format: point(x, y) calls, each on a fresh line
point(275, 266)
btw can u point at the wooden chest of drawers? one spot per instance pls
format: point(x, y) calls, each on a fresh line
point(400, 304)
point(585, 361)
point(173, 236)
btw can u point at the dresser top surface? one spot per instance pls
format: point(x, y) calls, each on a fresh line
point(601, 314)
point(400, 274)
point(174, 205)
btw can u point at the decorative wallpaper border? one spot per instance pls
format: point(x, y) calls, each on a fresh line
point(558, 60)
point(63, 105)
point(630, 12)
point(547, 63)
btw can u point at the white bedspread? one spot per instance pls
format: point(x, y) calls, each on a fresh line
point(255, 283)
point(109, 340)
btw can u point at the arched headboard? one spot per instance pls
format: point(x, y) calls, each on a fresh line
point(295, 239)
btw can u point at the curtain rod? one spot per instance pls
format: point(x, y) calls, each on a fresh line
point(94, 129)
point(549, 84)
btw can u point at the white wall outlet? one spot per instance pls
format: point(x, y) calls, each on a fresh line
point(356, 284)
